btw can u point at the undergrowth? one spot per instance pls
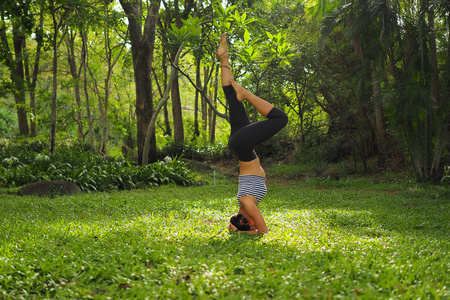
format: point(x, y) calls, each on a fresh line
point(27, 161)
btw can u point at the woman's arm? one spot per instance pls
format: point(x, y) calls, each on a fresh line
point(251, 209)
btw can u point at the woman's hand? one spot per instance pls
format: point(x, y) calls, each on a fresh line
point(231, 227)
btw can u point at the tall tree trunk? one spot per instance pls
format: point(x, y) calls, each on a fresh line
point(32, 78)
point(111, 62)
point(75, 72)
point(212, 115)
point(300, 112)
point(142, 38)
point(168, 128)
point(204, 99)
point(84, 61)
point(54, 90)
point(57, 21)
point(442, 103)
point(178, 129)
point(18, 79)
point(197, 94)
point(56, 26)
point(34, 74)
point(164, 98)
point(16, 68)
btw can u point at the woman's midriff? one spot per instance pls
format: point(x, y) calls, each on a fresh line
point(251, 168)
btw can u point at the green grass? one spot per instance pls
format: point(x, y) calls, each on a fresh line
point(329, 239)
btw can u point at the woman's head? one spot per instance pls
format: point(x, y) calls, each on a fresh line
point(240, 223)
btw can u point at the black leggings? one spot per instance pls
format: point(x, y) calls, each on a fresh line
point(245, 136)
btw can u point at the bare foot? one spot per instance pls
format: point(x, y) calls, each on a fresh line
point(222, 53)
point(240, 91)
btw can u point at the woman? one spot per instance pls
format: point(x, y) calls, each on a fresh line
point(243, 139)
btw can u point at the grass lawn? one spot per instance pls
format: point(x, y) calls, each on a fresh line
point(353, 238)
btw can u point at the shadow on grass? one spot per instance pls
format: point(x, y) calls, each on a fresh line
point(407, 212)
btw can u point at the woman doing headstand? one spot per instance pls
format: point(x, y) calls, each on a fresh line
point(243, 139)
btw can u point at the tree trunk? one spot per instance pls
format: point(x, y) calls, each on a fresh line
point(84, 61)
point(442, 103)
point(57, 24)
point(31, 88)
point(197, 94)
point(33, 80)
point(178, 129)
point(142, 46)
point(15, 66)
point(212, 115)
point(111, 62)
point(18, 79)
point(164, 98)
point(300, 111)
point(204, 99)
point(70, 43)
point(168, 128)
point(52, 137)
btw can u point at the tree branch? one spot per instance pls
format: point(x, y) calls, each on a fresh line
point(204, 95)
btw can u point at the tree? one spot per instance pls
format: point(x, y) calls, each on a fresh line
point(442, 115)
point(85, 63)
point(18, 16)
point(112, 54)
point(164, 98)
point(59, 12)
point(173, 13)
point(76, 74)
point(370, 26)
point(399, 54)
point(33, 77)
point(142, 37)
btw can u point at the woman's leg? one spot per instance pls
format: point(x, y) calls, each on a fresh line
point(222, 55)
point(262, 106)
point(247, 138)
point(237, 112)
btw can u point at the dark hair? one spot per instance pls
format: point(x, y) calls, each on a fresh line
point(241, 226)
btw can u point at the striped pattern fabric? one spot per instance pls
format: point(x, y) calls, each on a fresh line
point(251, 185)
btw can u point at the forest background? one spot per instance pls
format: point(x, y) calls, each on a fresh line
point(364, 82)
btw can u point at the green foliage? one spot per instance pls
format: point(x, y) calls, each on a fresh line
point(79, 164)
point(230, 20)
point(6, 123)
point(189, 31)
point(354, 238)
point(272, 149)
point(446, 178)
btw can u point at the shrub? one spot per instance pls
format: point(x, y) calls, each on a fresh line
point(271, 150)
point(79, 164)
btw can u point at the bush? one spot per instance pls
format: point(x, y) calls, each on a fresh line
point(79, 164)
point(271, 150)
